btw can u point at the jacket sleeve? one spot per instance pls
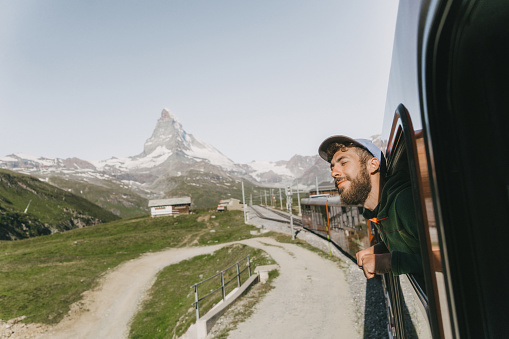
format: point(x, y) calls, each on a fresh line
point(406, 213)
point(404, 262)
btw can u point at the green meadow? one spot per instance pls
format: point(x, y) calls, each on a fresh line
point(41, 277)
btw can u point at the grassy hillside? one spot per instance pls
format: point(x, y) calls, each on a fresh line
point(51, 209)
point(111, 196)
point(42, 276)
point(206, 189)
point(166, 313)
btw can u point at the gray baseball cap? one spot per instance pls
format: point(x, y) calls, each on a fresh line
point(341, 139)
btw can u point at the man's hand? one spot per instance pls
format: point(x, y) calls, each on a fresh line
point(360, 254)
point(373, 264)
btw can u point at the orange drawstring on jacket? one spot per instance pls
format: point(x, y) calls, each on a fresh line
point(376, 221)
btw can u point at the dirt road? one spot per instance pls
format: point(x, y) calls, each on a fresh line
point(310, 298)
point(110, 308)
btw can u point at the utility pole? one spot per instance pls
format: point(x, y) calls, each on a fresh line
point(280, 199)
point(265, 191)
point(244, 203)
point(298, 199)
point(289, 206)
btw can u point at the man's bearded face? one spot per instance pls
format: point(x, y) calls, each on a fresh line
point(359, 188)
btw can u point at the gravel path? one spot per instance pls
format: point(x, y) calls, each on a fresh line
point(110, 308)
point(368, 305)
point(310, 299)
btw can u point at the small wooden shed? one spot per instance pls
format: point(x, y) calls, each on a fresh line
point(171, 206)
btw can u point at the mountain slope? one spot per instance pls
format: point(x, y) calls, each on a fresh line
point(110, 195)
point(49, 209)
point(206, 189)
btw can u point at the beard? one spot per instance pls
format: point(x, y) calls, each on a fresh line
point(358, 191)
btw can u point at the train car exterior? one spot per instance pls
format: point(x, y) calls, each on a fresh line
point(342, 224)
point(446, 120)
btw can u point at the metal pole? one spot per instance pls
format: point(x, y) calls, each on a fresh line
point(298, 199)
point(341, 216)
point(244, 203)
point(222, 284)
point(249, 265)
point(328, 225)
point(289, 205)
point(317, 191)
point(266, 199)
point(280, 199)
point(238, 273)
point(196, 302)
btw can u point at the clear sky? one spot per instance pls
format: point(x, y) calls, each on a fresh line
point(258, 80)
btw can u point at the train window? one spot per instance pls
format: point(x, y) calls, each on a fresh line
point(404, 154)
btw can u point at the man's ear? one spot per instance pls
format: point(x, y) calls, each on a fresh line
point(373, 165)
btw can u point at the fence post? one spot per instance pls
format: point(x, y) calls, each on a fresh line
point(249, 265)
point(238, 273)
point(196, 301)
point(222, 283)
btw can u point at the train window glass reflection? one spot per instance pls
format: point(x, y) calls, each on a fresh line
point(398, 166)
point(407, 290)
point(401, 159)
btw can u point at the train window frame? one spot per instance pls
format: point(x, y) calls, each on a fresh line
point(402, 144)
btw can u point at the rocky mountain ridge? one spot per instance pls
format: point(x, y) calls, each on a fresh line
point(170, 152)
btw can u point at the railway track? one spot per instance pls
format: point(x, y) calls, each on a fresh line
point(285, 216)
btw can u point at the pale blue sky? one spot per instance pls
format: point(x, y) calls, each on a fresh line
point(258, 80)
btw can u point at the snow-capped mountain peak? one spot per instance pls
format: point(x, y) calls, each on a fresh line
point(168, 133)
point(169, 152)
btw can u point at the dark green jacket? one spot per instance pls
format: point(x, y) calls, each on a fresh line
point(397, 224)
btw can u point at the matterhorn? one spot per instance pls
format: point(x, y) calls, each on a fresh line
point(170, 151)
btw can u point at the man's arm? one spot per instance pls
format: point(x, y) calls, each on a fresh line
point(368, 264)
point(378, 248)
point(403, 262)
point(373, 264)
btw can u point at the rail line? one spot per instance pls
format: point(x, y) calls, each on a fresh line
point(259, 214)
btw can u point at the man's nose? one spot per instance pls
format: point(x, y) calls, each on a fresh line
point(336, 172)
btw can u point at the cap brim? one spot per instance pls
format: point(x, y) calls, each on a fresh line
point(340, 139)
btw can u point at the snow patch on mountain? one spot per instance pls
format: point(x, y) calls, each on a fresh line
point(202, 152)
point(40, 161)
point(155, 158)
point(8, 158)
point(260, 167)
